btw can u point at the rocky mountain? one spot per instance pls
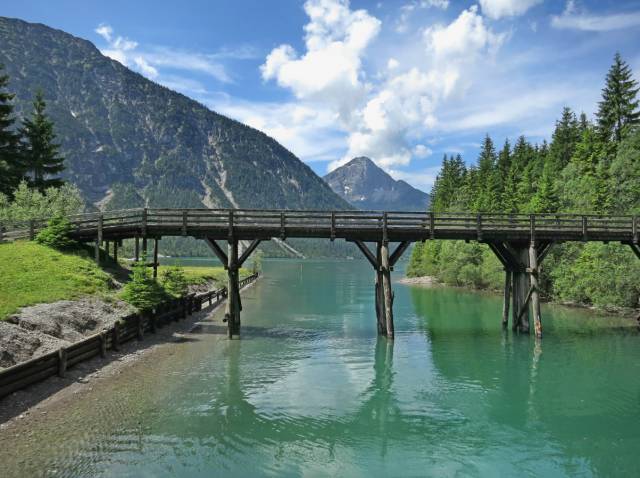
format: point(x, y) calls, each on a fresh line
point(366, 186)
point(131, 142)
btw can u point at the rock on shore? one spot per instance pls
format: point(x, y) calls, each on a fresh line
point(42, 328)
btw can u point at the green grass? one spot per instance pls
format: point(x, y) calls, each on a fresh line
point(202, 275)
point(32, 274)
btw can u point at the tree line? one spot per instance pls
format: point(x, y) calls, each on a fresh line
point(28, 152)
point(587, 167)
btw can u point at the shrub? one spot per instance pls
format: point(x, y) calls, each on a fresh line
point(174, 281)
point(57, 234)
point(143, 291)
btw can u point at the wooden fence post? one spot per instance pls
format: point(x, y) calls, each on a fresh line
point(115, 342)
point(32, 230)
point(152, 321)
point(103, 344)
point(62, 362)
point(140, 326)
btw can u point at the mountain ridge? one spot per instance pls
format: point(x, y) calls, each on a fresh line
point(366, 186)
point(130, 141)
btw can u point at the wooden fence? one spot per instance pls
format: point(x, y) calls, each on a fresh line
point(131, 327)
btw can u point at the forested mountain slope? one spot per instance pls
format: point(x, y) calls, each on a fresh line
point(129, 141)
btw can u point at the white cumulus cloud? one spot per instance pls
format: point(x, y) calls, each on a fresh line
point(577, 19)
point(331, 68)
point(506, 8)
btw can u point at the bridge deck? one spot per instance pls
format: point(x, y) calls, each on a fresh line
point(350, 225)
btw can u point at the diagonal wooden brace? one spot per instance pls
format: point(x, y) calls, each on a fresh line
point(367, 253)
point(217, 250)
point(245, 255)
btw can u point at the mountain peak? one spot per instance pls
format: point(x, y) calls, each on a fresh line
point(366, 186)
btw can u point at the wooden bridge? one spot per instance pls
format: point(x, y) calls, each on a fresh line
point(519, 241)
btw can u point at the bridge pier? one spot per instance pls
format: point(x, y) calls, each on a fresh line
point(383, 263)
point(232, 262)
point(521, 263)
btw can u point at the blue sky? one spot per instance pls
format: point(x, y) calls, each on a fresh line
point(402, 81)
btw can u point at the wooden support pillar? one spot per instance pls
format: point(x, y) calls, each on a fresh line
point(233, 306)
point(386, 286)
point(535, 299)
point(521, 290)
point(137, 249)
point(144, 248)
point(115, 251)
point(507, 296)
point(380, 310)
point(155, 258)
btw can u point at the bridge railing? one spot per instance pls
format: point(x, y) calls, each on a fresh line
point(182, 220)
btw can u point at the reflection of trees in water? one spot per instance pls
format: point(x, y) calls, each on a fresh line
point(575, 383)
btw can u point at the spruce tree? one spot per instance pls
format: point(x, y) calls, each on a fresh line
point(10, 161)
point(40, 152)
point(487, 198)
point(619, 106)
point(565, 137)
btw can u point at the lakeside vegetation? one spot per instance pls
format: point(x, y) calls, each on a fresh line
point(31, 274)
point(588, 167)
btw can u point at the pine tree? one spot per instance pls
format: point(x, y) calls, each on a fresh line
point(565, 137)
point(619, 106)
point(40, 153)
point(10, 161)
point(545, 199)
point(487, 198)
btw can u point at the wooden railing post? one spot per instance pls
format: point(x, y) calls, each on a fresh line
point(184, 222)
point(155, 258)
point(32, 230)
point(283, 223)
point(584, 228)
point(479, 227)
point(99, 238)
point(144, 222)
point(532, 227)
point(432, 225)
point(385, 231)
point(634, 229)
point(333, 227)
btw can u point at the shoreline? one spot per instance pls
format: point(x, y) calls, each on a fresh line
point(430, 281)
point(35, 401)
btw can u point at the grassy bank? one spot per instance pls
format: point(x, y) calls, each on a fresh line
point(32, 274)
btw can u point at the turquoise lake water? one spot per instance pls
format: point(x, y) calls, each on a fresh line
point(310, 390)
